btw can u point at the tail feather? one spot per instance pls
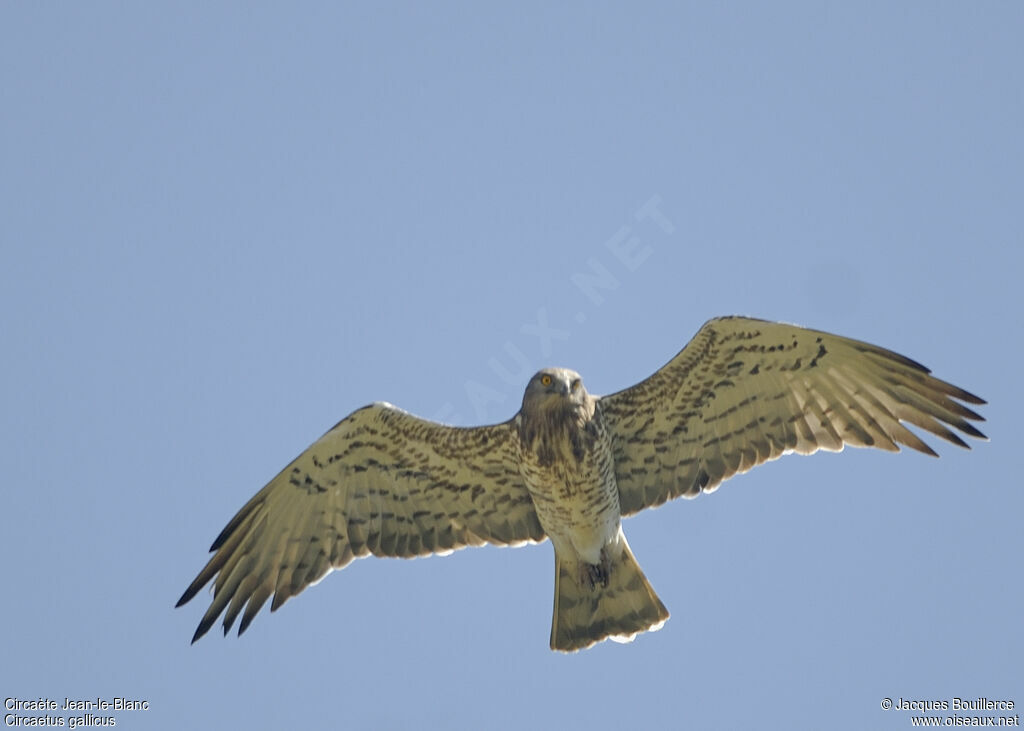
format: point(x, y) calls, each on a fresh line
point(585, 614)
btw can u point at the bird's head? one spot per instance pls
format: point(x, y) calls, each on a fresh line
point(555, 388)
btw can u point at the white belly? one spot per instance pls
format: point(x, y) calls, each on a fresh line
point(577, 500)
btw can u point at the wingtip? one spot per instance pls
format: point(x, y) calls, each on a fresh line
point(204, 626)
point(957, 441)
point(244, 624)
point(972, 431)
point(970, 398)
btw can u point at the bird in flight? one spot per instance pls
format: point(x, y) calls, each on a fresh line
point(569, 466)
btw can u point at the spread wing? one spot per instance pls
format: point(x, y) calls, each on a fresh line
point(746, 391)
point(381, 482)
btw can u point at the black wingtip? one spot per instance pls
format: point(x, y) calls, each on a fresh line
point(191, 591)
point(244, 624)
point(969, 429)
point(970, 397)
point(204, 627)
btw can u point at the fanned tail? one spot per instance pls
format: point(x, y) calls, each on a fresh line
point(588, 612)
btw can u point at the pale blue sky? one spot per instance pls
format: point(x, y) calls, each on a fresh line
point(227, 225)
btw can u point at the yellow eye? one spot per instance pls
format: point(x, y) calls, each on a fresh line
point(545, 380)
point(576, 385)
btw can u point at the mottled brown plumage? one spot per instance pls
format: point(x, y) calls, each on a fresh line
point(569, 465)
